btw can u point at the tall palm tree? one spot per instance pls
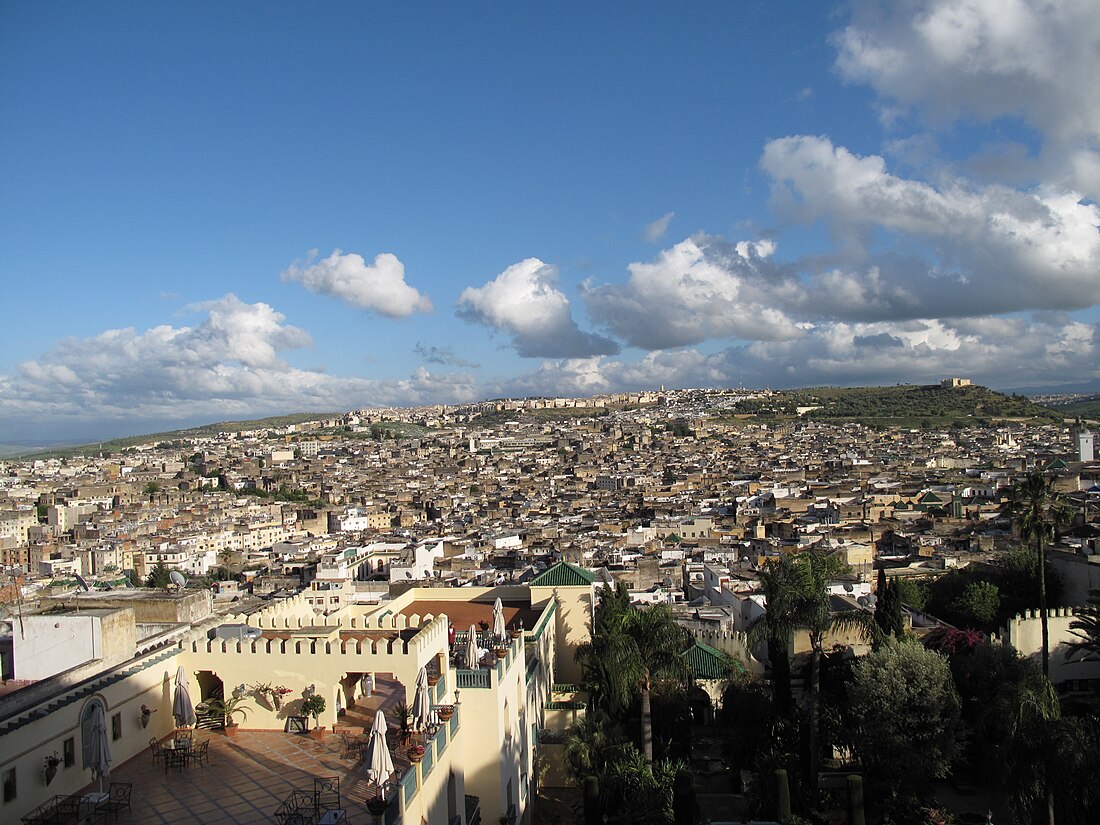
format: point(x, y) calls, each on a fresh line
point(782, 585)
point(797, 593)
point(1037, 511)
point(630, 653)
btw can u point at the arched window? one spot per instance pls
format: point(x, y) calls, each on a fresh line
point(86, 730)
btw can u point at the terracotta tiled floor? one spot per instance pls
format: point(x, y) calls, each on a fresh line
point(249, 776)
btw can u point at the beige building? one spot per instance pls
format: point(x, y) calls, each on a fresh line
point(486, 750)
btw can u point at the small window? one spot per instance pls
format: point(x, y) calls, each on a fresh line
point(116, 726)
point(70, 751)
point(9, 785)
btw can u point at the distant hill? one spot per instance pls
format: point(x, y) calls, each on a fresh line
point(1079, 407)
point(901, 406)
point(115, 445)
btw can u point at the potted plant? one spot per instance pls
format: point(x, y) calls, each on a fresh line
point(404, 721)
point(146, 713)
point(277, 694)
point(314, 705)
point(49, 767)
point(445, 711)
point(500, 651)
point(377, 805)
point(265, 691)
point(227, 708)
point(415, 753)
point(433, 679)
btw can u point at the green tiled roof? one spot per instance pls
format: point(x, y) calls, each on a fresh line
point(563, 574)
point(705, 662)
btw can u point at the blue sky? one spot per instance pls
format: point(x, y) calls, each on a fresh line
point(217, 211)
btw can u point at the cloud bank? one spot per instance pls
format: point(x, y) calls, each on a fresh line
point(228, 366)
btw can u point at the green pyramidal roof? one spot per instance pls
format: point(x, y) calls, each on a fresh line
point(705, 662)
point(563, 574)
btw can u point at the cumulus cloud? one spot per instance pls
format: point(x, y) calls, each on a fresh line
point(950, 59)
point(698, 289)
point(1001, 352)
point(379, 287)
point(525, 302)
point(442, 355)
point(653, 232)
point(953, 249)
point(227, 366)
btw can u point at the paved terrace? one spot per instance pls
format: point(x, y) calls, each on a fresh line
point(249, 776)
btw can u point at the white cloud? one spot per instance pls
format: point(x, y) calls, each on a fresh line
point(698, 289)
point(228, 366)
point(956, 249)
point(993, 351)
point(653, 232)
point(525, 302)
point(379, 287)
point(988, 59)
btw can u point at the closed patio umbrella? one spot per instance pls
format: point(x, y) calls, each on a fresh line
point(500, 630)
point(422, 703)
point(182, 708)
point(471, 648)
point(378, 759)
point(100, 747)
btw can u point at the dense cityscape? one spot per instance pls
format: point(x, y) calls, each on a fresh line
point(673, 506)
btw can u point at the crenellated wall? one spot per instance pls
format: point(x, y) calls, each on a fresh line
point(1024, 633)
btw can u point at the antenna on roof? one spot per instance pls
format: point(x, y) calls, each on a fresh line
point(81, 582)
point(177, 579)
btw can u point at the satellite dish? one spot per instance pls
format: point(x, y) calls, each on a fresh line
point(80, 581)
point(177, 579)
point(848, 588)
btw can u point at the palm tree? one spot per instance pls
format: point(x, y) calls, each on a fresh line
point(1037, 511)
point(781, 584)
point(798, 598)
point(632, 651)
point(1086, 627)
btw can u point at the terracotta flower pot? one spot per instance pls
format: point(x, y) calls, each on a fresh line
point(231, 730)
point(317, 733)
point(445, 713)
point(50, 772)
point(433, 680)
point(414, 756)
point(500, 652)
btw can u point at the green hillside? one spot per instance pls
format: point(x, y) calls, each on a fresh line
point(1081, 408)
point(904, 406)
point(115, 445)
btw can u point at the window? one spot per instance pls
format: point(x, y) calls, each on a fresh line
point(116, 726)
point(70, 751)
point(9, 785)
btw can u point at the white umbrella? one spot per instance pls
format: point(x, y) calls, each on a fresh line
point(422, 703)
point(101, 746)
point(471, 648)
point(182, 708)
point(378, 758)
point(500, 630)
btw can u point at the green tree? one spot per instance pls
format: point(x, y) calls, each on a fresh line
point(151, 489)
point(159, 576)
point(978, 604)
point(888, 614)
point(903, 713)
point(1037, 511)
point(629, 655)
point(911, 592)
